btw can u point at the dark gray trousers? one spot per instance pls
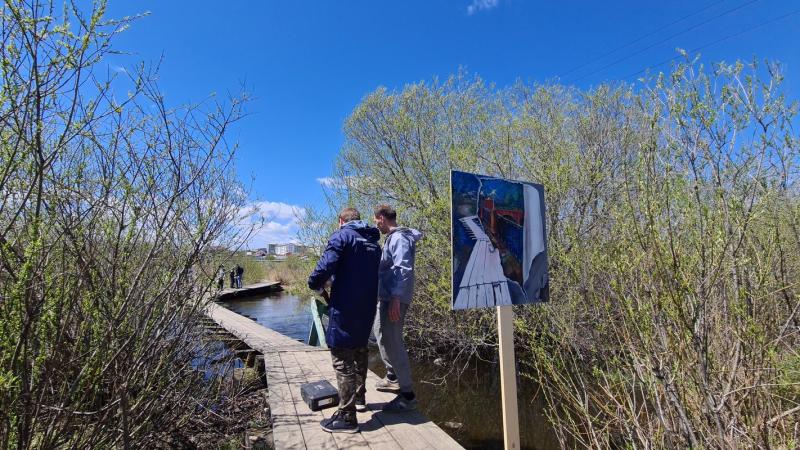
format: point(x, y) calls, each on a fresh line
point(350, 365)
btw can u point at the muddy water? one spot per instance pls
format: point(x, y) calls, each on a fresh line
point(466, 406)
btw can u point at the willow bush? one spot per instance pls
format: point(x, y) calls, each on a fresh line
point(672, 222)
point(110, 202)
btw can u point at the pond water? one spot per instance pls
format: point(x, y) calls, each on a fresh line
point(467, 407)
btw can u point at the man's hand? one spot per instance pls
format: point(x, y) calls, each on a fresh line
point(324, 294)
point(394, 309)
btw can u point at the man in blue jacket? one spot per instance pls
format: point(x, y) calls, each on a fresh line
point(395, 291)
point(351, 261)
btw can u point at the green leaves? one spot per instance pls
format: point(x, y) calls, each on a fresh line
point(672, 218)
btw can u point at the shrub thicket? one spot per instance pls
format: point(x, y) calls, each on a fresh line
point(672, 219)
point(110, 201)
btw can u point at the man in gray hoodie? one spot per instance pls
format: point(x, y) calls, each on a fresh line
point(395, 290)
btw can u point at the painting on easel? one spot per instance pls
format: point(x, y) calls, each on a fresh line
point(499, 242)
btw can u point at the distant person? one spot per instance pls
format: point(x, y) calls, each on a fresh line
point(232, 274)
point(395, 290)
point(351, 259)
point(239, 274)
point(221, 277)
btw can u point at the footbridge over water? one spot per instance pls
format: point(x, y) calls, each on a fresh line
point(288, 364)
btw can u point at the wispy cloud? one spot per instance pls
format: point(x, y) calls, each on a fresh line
point(275, 222)
point(330, 182)
point(343, 183)
point(481, 5)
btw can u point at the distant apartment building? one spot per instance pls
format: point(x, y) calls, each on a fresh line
point(289, 249)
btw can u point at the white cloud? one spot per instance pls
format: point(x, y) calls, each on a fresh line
point(273, 233)
point(277, 210)
point(275, 222)
point(481, 5)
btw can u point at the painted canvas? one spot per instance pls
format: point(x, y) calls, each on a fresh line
point(499, 242)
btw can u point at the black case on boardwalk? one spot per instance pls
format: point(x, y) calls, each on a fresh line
point(319, 395)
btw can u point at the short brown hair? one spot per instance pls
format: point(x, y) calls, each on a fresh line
point(348, 214)
point(386, 211)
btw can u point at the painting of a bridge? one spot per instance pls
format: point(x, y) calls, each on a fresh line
point(499, 242)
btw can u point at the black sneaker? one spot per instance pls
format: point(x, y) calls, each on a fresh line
point(400, 404)
point(340, 422)
point(361, 404)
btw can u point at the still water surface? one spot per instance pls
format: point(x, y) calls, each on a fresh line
point(466, 407)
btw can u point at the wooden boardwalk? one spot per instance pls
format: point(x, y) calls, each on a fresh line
point(483, 283)
point(248, 290)
point(289, 364)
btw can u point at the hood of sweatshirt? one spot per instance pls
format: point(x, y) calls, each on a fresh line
point(366, 231)
point(411, 233)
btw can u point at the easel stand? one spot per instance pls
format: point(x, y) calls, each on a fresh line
point(508, 377)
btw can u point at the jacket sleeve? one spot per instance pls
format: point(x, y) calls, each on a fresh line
point(400, 248)
point(326, 266)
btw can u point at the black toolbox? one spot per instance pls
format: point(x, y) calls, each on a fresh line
point(319, 395)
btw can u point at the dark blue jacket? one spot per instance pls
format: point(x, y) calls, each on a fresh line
point(351, 259)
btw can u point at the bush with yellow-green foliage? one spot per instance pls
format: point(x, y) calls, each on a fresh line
point(672, 225)
point(109, 206)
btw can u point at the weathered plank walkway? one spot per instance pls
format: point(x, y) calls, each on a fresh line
point(290, 363)
point(250, 289)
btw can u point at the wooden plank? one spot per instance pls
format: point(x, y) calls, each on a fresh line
point(488, 294)
point(286, 430)
point(508, 376)
point(373, 431)
point(479, 273)
point(312, 373)
point(480, 277)
point(410, 429)
point(403, 434)
point(462, 300)
point(506, 300)
point(465, 287)
point(496, 275)
point(498, 294)
point(473, 296)
point(248, 290)
point(255, 335)
point(466, 280)
point(481, 297)
point(295, 426)
point(315, 437)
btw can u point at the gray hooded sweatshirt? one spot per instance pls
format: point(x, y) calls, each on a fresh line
point(396, 270)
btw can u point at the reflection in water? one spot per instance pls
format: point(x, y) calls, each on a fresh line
point(284, 313)
point(471, 400)
point(214, 359)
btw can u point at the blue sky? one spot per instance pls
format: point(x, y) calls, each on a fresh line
point(309, 63)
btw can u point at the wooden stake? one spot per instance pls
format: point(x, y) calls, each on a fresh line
point(508, 377)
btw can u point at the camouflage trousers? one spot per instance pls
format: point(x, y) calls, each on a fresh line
point(350, 365)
